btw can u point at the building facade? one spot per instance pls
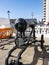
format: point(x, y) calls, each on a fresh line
point(46, 10)
point(4, 22)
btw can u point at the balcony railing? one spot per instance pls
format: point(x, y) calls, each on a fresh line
point(40, 30)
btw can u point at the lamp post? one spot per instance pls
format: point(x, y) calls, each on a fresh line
point(32, 14)
point(8, 14)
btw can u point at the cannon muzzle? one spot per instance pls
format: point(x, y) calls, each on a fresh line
point(21, 25)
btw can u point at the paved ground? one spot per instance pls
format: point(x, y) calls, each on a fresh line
point(32, 56)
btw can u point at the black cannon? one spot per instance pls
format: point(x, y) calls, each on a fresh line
point(22, 41)
point(21, 25)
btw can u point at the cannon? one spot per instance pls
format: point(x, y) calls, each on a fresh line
point(21, 25)
point(22, 41)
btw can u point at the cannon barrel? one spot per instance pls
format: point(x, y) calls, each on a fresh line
point(21, 25)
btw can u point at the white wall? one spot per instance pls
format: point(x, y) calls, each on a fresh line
point(47, 10)
point(4, 21)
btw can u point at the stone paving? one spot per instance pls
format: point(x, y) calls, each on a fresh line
point(32, 56)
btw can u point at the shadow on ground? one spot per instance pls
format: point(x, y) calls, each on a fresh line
point(44, 55)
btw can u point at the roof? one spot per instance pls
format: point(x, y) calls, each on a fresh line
point(12, 20)
point(5, 21)
point(28, 20)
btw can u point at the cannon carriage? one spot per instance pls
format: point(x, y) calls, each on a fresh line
point(22, 41)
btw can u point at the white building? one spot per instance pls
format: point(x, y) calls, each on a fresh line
point(46, 10)
point(4, 22)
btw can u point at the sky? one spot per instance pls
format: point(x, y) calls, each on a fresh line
point(21, 8)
